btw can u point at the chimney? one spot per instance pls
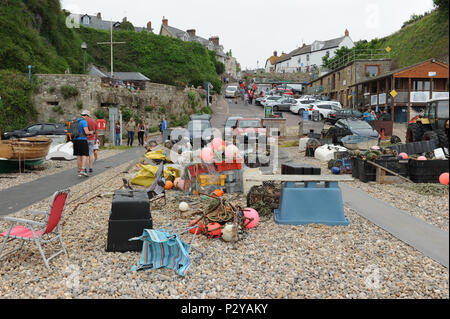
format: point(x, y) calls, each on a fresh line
point(191, 32)
point(275, 53)
point(304, 45)
point(99, 15)
point(346, 33)
point(149, 26)
point(124, 19)
point(165, 21)
point(215, 40)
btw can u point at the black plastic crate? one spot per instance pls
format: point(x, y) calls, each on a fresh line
point(129, 204)
point(299, 169)
point(355, 171)
point(119, 231)
point(427, 171)
point(393, 164)
point(366, 172)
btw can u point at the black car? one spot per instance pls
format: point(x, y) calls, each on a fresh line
point(333, 117)
point(284, 104)
point(351, 126)
point(37, 129)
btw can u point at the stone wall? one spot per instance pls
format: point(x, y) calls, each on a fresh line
point(150, 104)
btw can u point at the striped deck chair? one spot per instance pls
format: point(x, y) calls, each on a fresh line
point(163, 248)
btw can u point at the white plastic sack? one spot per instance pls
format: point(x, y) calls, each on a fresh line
point(326, 152)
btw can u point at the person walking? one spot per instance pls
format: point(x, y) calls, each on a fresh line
point(131, 129)
point(146, 132)
point(80, 144)
point(96, 148)
point(117, 130)
point(92, 126)
point(236, 96)
point(366, 115)
point(141, 132)
point(164, 125)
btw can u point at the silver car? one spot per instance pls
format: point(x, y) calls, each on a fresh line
point(230, 91)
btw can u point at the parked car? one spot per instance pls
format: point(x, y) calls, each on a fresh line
point(249, 127)
point(270, 99)
point(284, 91)
point(324, 109)
point(301, 106)
point(230, 91)
point(37, 129)
point(335, 116)
point(351, 126)
point(284, 104)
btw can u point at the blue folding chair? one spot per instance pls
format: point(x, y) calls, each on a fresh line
point(163, 248)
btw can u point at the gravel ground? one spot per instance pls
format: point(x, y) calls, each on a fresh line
point(432, 209)
point(272, 261)
point(48, 168)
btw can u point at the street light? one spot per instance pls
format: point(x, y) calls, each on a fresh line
point(84, 48)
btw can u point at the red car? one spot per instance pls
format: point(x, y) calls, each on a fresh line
point(284, 91)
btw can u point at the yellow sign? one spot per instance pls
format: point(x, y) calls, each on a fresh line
point(388, 49)
point(393, 93)
point(349, 97)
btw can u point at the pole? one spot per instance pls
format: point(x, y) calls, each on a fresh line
point(112, 66)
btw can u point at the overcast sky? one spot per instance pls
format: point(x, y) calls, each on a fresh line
point(254, 29)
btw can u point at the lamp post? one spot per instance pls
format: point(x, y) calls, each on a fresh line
point(84, 48)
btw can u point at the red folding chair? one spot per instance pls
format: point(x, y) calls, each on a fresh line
point(41, 232)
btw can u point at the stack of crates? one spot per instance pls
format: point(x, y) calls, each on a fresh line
point(232, 173)
point(130, 215)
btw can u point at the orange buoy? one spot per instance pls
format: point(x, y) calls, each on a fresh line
point(218, 193)
point(213, 230)
point(168, 185)
point(200, 229)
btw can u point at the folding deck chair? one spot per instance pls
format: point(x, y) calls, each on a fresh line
point(41, 232)
point(163, 248)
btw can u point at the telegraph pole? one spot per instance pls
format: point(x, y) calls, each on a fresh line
point(112, 53)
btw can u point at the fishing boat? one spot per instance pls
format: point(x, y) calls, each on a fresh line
point(17, 153)
point(356, 142)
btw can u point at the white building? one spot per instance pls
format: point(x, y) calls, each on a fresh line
point(309, 57)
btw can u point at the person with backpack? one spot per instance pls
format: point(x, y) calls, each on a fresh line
point(79, 135)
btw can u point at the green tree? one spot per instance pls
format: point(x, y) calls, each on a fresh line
point(126, 26)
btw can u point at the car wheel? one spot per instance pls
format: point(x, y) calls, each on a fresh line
point(321, 117)
point(275, 108)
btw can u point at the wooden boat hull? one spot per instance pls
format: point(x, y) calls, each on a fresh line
point(11, 166)
point(25, 149)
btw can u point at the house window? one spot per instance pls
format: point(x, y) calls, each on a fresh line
point(307, 58)
point(421, 85)
point(86, 20)
point(372, 70)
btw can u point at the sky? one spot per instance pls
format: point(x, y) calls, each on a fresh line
point(254, 29)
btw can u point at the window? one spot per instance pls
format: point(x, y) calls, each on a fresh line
point(34, 128)
point(421, 85)
point(86, 20)
point(307, 58)
point(372, 70)
point(325, 107)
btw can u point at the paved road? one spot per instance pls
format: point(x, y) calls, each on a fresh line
point(16, 198)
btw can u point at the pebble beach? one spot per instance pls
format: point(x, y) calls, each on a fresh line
point(271, 261)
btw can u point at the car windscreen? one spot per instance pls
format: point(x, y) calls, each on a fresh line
point(199, 125)
point(231, 122)
point(359, 125)
point(442, 109)
point(231, 88)
point(249, 123)
point(273, 98)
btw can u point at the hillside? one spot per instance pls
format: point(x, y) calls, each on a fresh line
point(424, 39)
point(35, 32)
point(420, 39)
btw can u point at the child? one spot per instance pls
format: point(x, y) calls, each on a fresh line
point(96, 147)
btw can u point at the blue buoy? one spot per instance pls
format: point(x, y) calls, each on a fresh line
point(335, 170)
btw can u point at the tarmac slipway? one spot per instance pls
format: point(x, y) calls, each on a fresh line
point(428, 239)
point(21, 196)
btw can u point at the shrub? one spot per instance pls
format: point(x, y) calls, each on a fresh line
point(163, 110)
point(126, 114)
point(148, 108)
point(52, 89)
point(52, 120)
point(79, 105)
point(58, 109)
point(153, 129)
point(100, 114)
point(69, 91)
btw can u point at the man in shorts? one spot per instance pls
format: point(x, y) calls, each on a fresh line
point(80, 145)
point(92, 126)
